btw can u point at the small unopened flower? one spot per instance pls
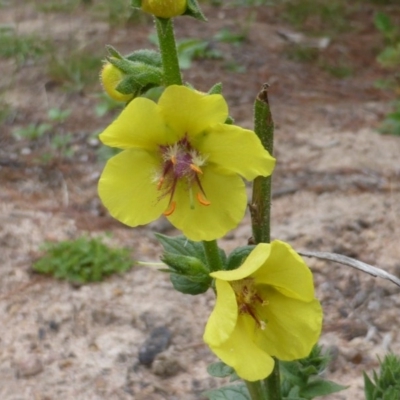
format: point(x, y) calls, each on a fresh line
point(164, 8)
point(179, 159)
point(111, 77)
point(264, 308)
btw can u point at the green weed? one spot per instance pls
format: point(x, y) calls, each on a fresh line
point(32, 131)
point(191, 49)
point(82, 260)
point(75, 70)
point(56, 137)
point(389, 58)
point(316, 16)
point(385, 384)
point(21, 47)
point(61, 6)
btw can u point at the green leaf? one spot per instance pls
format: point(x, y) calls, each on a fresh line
point(216, 89)
point(320, 387)
point(113, 52)
point(136, 3)
point(182, 245)
point(220, 370)
point(369, 387)
point(238, 256)
point(234, 392)
point(383, 23)
point(145, 56)
point(290, 371)
point(185, 285)
point(193, 10)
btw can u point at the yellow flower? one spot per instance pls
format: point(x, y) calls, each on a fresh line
point(264, 308)
point(164, 8)
point(181, 160)
point(110, 77)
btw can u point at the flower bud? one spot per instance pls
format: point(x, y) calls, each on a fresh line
point(111, 77)
point(164, 8)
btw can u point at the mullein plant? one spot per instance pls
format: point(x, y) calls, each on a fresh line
point(183, 158)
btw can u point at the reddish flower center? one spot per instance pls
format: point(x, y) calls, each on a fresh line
point(248, 298)
point(181, 162)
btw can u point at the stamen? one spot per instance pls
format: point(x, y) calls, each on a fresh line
point(170, 209)
point(173, 159)
point(202, 200)
point(195, 168)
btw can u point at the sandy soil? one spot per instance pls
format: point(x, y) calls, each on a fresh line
point(336, 188)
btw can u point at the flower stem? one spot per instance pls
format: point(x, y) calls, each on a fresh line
point(260, 207)
point(256, 390)
point(261, 210)
point(273, 384)
point(169, 55)
point(213, 255)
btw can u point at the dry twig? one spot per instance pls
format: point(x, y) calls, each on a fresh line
point(351, 262)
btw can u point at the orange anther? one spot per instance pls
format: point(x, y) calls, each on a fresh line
point(202, 200)
point(195, 168)
point(173, 160)
point(170, 209)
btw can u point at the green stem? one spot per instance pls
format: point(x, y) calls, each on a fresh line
point(213, 255)
point(260, 207)
point(273, 384)
point(169, 55)
point(256, 390)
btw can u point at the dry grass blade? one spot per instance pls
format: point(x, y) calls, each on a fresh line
point(351, 262)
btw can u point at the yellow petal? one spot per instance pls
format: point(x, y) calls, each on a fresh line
point(139, 125)
point(285, 270)
point(235, 149)
point(223, 319)
point(127, 188)
point(249, 361)
point(292, 326)
point(228, 198)
point(189, 112)
point(252, 263)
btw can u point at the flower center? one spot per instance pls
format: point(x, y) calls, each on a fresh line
point(181, 163)
point(248, 299)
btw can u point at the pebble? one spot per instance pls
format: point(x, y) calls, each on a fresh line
point(157, 342)
point(28, 367)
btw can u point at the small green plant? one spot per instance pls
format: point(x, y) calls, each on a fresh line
point(391, 123)
point(74, 70)
point(32, 131)
point(386, 384)
point(321, 16)
point(53, 130)
point(61, 6)
point(191, 49)
point(21, 47)
point(389, 58)
point(82, 260)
